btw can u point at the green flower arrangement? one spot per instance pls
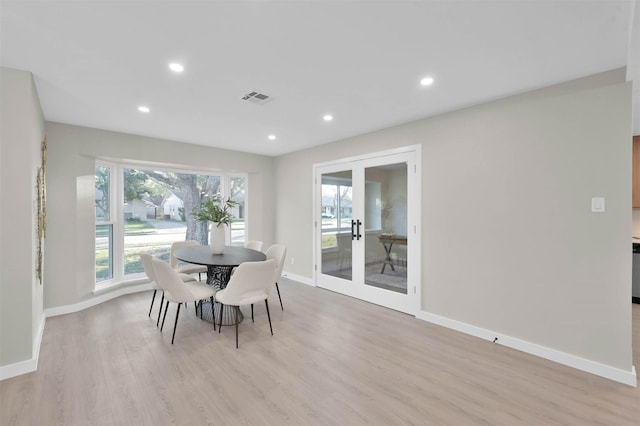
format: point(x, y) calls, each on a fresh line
point(215, 210)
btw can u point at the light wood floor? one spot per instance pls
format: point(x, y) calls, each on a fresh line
point(332, 361)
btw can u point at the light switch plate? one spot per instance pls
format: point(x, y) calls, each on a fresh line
point(597, 205)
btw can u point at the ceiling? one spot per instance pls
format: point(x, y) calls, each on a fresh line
point(95, 62)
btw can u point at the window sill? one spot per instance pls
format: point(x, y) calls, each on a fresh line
point(107, 287)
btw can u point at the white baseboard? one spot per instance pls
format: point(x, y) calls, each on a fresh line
point(593, 367)
point(30, 365)
point(298, 278)
point(18, 368)
point(101, 298)
point(27, 366)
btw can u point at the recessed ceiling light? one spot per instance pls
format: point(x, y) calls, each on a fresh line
point(176, 67)
point(327, 117)
point(143, 109)
point(272, 137)
point(427, 81)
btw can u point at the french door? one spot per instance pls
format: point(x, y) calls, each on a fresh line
point(367, 243)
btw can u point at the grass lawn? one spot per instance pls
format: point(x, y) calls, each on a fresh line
point(131, 261)
point(130, 228)
point(134, 227)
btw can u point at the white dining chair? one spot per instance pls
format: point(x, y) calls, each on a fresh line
point(188, 268)
point(178, 291)
point(251, 283)
point(277, 252)
point(147, 266)
point(253, 245)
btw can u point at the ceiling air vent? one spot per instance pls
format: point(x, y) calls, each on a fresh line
point(256, 98)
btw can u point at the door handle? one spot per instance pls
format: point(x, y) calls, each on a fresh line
point(358, 223)
point(353, 234)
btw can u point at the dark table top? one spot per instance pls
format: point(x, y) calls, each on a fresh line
point(231, 256)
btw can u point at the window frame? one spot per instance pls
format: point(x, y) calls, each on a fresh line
point(109, 223)
point(116, 211)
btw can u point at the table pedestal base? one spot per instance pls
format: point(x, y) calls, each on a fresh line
point(228, 317)
point(218, 277)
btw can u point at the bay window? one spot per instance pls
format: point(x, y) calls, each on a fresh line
point(145, 210)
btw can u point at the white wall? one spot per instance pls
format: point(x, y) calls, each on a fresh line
point(22, 131)
point(71, 165)
point(509, 243)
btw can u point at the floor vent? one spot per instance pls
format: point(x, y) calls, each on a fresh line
point(256, 98)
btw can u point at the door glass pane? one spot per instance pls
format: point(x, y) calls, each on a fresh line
point(336, 213)
point(385, 219)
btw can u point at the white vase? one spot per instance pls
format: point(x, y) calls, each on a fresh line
point(217, 236)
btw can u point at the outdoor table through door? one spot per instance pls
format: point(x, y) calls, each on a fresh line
point(219, 267)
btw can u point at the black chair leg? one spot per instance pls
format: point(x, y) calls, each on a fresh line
point(213, 312)
point(201, 305)
point(176, 323)
point(160, 311)
point(252, 313)
point(266, 303)
point(166, 308)
point(152, 300)
point(220, 323)
point(278, 289)
point(237, 318)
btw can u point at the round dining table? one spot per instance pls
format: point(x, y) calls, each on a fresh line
point(219, 267)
